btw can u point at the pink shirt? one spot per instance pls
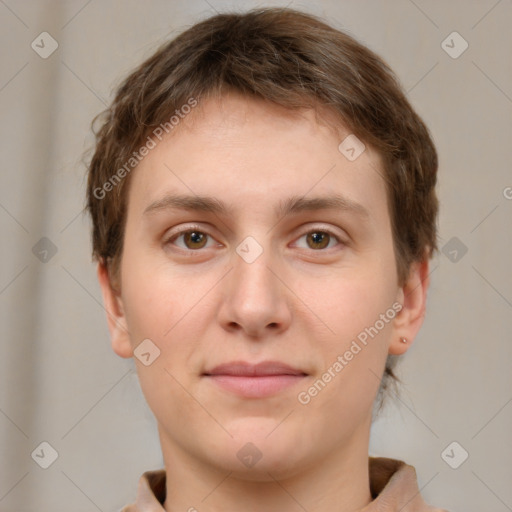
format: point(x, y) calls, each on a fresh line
point(393, 486)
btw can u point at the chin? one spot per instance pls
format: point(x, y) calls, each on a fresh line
point(259, 448)
point(264, 465)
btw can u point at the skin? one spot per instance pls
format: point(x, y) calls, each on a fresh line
point(298, 303)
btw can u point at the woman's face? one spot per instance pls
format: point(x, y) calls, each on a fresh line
point(252, 238)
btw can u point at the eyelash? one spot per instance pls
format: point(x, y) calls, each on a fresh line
point(175, 236)
point(190, 229)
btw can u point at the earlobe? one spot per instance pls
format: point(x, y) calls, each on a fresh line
point(116, 319)
point(413, 297)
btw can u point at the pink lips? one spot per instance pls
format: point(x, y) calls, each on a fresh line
point(255, 381)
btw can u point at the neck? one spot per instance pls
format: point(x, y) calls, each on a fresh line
point(339, 481)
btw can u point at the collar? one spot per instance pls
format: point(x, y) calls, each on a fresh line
point(393, 486)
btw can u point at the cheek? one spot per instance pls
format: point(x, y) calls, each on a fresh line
point(353, 360)
point(353, 301)
point(158, 308)
point(171, 309)
point(153, 297)
point(357, 315)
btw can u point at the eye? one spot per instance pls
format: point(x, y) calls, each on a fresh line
point(192, 239)
point(317, 240)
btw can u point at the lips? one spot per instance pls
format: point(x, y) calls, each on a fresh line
point(254, 380)
point(244, 369)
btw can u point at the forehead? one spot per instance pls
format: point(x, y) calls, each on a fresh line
point(250, 152)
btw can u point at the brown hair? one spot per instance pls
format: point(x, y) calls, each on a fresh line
point(294, 60)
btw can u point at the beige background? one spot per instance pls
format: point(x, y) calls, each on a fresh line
point(60, 382)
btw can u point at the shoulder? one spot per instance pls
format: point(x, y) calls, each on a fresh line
point(394, 486)
point(150, 493)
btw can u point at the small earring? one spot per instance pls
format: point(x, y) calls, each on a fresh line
point(403, 340)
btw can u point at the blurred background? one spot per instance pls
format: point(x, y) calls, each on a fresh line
point(74, 427)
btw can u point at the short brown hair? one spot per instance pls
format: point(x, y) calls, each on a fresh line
point(291, 59)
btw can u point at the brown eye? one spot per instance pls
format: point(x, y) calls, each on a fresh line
point(318, 239)
point(194, 239)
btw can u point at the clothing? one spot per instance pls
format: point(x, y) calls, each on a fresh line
point(393, 487)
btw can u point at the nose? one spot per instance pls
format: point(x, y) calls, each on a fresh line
point(254, 300)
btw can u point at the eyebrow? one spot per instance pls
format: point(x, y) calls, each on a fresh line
point(290, 206)
point(185, 202)
point(331, 202)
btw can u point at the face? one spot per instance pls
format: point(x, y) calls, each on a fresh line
point(259, 261)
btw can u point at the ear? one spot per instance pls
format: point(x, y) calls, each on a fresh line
point(413, 297)
point(116, 319)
